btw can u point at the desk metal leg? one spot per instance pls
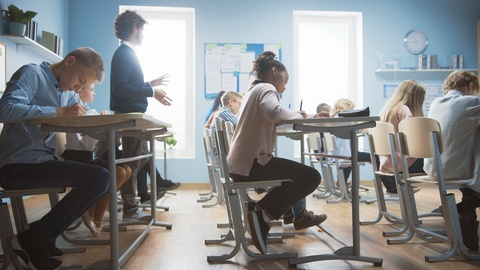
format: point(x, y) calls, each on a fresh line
point(348, 252)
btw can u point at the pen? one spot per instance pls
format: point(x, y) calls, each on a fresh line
point(301, 103)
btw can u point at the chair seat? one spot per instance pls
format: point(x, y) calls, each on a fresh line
point(256, 184)
point(28, 192)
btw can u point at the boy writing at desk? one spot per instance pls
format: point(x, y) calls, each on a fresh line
point(28, 158)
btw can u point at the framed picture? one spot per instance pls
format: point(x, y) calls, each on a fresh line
point(3, 67)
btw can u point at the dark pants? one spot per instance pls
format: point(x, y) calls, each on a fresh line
point(305, 180)
point(142, 188)
point(361, 157)
point(389, 181)
point(89, 183)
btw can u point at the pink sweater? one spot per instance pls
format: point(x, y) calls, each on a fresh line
point(386, 164)
point(255, 134)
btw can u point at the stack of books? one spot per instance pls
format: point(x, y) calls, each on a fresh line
point(427, 61)
point(455, 61)
point(52, 42)
point(31, 31)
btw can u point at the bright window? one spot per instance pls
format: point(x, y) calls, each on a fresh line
point(168, 47)
point(328, 58)
point(328, 63)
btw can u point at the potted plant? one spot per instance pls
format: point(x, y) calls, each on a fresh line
point(18, 19)
point(171, 141)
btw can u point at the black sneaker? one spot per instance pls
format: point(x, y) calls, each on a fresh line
point(34, 253)
point(259, 229)
point(168, 184)
point(145, 198)
point(54, 251)
point(469, 227)
point(288, 216)
point(308, 220)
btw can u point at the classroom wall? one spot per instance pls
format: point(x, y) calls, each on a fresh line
point(52, 17)
point(450, 25)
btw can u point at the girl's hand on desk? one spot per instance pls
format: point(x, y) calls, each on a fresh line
point(76, 109)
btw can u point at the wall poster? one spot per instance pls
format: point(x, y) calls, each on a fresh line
point(228, 65)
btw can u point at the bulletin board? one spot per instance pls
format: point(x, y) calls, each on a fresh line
point(228, 65)
point(432, 91)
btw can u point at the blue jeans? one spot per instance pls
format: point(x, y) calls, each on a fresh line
point(88, 183)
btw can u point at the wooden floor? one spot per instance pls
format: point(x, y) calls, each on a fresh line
point(183, 246)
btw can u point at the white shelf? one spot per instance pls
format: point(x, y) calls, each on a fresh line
point(35, 47)
point(416, 74)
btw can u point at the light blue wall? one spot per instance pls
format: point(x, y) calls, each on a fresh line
point(451, 26)
point(52, 17)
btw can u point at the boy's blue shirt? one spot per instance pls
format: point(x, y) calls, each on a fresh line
point(32, 92)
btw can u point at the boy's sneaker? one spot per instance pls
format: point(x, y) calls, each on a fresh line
point(168, 184)
point(259, 229)
point(308, 220)
point(288, 216)
point(33, 251)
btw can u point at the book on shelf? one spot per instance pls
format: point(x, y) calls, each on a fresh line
point(52, 42)
point(456, 61)
point(58, 45)
point(48, 40)
point(422, 61)
point(31, 31)
point(427, 61)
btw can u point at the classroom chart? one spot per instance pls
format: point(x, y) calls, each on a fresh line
point(228, 65)
point(432, 92)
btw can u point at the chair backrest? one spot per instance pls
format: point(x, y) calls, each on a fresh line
point(221, 142)
point(416, 137)
point(208, 140)
point(229, 129)
point(61, 141)
point(312, 142)
point(380, 138)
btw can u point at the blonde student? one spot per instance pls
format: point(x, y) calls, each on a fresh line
point(250, 157)
point(343, 145)
point(79, 148)
point(406, 102)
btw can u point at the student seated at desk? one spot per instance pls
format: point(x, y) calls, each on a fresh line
point(217, 104)
point(250, 157)
point(28, 159)
point(406, 102)
point(343, 144)
point(231, 102)
point(79, 148)
point(458, 113)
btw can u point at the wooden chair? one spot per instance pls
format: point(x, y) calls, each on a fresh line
point(337, 162)
point(421, 137)
point(234, 203)
point(327, 187)
point(383, 143)
point(213, 171)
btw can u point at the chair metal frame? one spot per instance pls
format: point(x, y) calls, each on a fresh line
point(9, 256)
point(213, 172)
point(428, 132)
point(234, 204)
